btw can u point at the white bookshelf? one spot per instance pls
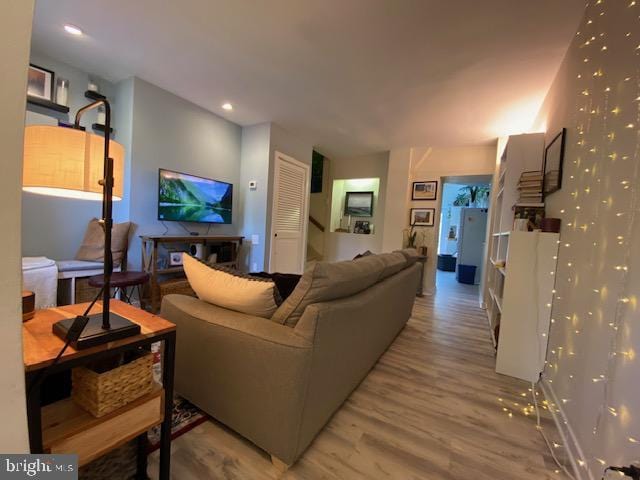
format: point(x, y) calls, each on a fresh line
point(505, 277)
point(521, 153)
point(525, 303)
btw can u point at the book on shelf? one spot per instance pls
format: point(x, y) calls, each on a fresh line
point(530, 182)
point(532, 174)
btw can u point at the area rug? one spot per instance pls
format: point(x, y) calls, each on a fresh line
point(185, 417)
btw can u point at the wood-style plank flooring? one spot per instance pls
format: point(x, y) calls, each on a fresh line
point(432, 408)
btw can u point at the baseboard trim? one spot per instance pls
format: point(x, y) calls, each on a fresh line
point(569, 439)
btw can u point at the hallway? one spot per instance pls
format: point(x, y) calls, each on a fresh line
point(432, 408)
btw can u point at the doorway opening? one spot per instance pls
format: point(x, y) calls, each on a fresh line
point(463, 231)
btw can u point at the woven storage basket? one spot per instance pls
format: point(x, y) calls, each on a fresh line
point(102, 393)
point(119, 463)
point(176, 285)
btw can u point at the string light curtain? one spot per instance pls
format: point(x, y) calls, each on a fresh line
point(592, 366)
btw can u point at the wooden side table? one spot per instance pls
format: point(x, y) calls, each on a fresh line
point(151, 244)
point(422, 259)
point(63, 427)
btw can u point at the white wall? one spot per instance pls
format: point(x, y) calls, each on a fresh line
point(397, 191)
point(344, 246)
point(426, 164)
point(14, 59)
point(596, 331)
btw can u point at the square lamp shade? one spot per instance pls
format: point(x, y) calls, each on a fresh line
point(65, 162)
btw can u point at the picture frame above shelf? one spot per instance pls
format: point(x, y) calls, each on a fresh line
point(48, 104)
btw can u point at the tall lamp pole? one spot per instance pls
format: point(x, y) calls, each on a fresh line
point(90, 330)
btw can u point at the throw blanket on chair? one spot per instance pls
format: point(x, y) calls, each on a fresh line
point(40, 275)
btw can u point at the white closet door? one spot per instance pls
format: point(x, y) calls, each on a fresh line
point(289, 215)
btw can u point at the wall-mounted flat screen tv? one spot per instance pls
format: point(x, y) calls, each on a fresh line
point(187, 198)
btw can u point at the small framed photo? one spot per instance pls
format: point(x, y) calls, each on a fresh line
point(553, 160)
point(175, 259)
point(40, 82)
point(362, 227)
point(359, 204)
point(424, 190)
point(422, 217)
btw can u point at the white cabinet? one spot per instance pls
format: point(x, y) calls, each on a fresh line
point(525, 303)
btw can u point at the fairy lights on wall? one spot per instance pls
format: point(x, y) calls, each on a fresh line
point(592, 365)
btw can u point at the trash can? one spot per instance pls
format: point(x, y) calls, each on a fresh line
point(446, 262)
point(466, 274)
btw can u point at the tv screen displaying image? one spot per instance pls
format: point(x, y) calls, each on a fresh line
point(187, 198)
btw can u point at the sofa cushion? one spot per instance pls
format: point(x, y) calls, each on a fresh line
point(393, 263)
point(411, 254)
point(231, 289)
point(324, 281)
point(92, 247)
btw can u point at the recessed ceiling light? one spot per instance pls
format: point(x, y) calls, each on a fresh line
point(72, 29)
point(227, 106)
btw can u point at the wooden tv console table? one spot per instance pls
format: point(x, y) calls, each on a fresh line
point(151, 243)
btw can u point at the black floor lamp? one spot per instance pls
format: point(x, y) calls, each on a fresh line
point(67, 161)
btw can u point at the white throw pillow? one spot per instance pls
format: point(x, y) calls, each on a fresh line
point(230, 289)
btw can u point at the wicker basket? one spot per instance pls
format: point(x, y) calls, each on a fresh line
point(101, 392)
point(84, 291)
point(119, 463)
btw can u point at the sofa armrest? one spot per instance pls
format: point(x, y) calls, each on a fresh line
point(248, 372)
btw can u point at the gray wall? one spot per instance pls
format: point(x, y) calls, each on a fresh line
point(593, 346)
point(284, 142)
point(52, 226)
point(253, 203)
point(161, 130)
point(259, 145)
point(170, 132)
point(14, 57)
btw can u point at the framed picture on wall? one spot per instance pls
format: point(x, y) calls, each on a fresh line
point(424, 190)
point(422, 217)
point(40, 82)
point(553, 160)
point(359, 204)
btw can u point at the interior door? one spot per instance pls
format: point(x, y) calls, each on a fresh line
point(289, 215)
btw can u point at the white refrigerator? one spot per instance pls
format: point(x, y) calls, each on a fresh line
point(471, 238)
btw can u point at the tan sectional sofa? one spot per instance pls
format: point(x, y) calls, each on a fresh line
point(278, 382)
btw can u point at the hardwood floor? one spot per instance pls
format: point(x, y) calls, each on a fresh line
point(432, 408)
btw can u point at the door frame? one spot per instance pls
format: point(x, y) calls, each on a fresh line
point(279, 156)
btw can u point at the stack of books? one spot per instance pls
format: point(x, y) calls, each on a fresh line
point(530, 187)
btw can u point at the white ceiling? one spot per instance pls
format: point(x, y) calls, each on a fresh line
point(350, 76)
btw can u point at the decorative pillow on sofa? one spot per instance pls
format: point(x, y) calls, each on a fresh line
point(231, 289)
point(92, 248)
point(324, 281)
